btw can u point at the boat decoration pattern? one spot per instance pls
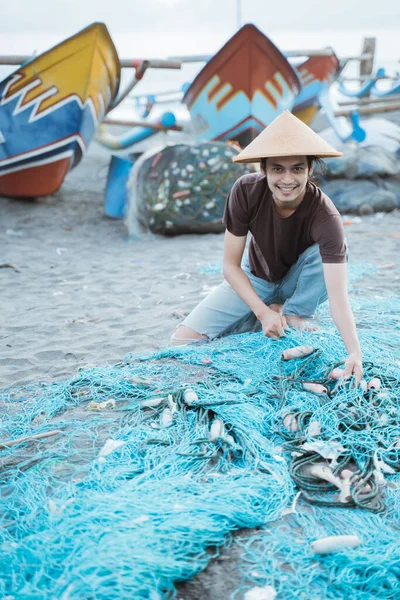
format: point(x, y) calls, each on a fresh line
point(316, 76)
point(241, 89)
point(50, 109)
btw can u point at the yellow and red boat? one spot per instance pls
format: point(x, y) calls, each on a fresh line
point(50, 109)
point(241, 89)
point(316, 75)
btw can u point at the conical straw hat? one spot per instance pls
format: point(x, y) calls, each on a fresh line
point(286, 136)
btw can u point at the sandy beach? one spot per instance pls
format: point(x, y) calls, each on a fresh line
point(77, 292)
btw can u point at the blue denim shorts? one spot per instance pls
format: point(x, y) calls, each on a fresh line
point(301, 291)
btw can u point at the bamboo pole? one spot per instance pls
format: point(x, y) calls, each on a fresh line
point(174, 62)
point(133, 123)
point(152, 63)
point(289, 54)
point(29, 438)
point(192, 58)
point(369, 78)
point(126, 63)
point(157, 94)
point(368, 110)
point(361, 101)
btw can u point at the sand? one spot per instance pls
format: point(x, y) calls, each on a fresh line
point(76, 292)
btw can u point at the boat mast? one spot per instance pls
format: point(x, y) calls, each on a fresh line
point(238, 13)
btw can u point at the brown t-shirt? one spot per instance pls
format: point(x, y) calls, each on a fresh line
point(277, 241)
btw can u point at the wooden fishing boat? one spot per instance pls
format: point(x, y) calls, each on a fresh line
point(316, 75)
point(50, 109)
point(241, 89)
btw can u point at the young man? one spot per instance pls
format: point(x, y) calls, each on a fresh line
point(297, 252)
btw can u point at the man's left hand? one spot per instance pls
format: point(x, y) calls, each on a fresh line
point(353, 366)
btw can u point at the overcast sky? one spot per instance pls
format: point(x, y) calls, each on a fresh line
point(161, 28)
point(159, 15)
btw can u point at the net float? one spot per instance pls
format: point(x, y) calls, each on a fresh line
point(156, 160)
point(315, 388)
point(314, 429)
point(290, 423)
point(346, 474)
point(151, 402)
point(335, 542)
point(297, 352)
point(171, 404)
point(190, 396)
point(337, 374)
point(374, 383)
point(166, 419)
point(261, 593)
point(217, 430)
point(181, 194)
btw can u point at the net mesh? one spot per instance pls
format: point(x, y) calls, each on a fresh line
point(144, 466)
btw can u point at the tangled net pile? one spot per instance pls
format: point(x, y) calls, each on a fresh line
point(182, 188)
point(137, 470)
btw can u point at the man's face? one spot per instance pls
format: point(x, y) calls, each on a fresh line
point(287, 177)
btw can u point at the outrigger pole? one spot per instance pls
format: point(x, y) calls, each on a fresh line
point(126, 63)
point(289, 54)
point(140, 66)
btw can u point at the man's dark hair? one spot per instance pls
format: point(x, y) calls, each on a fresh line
point(312, 161)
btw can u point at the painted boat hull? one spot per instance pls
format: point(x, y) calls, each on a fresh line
point(50, 109)
point(316, 76)
point(241, 89)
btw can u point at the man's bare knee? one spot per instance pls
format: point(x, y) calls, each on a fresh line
point(184, 334)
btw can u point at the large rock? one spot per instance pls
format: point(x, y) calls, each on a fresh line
point(363, 196)
point(364, 162)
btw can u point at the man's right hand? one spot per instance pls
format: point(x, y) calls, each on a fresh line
point(272, 323)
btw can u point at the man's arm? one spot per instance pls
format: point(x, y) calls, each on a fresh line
point(233, 252)
point(336, 284)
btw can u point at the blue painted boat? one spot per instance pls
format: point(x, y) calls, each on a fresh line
point(316, 76)
point(241, 89)
point(50, 109)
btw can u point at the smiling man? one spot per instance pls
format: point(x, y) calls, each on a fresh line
point(297, 251)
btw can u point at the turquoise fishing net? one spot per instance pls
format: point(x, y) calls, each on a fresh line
point(85, 518)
